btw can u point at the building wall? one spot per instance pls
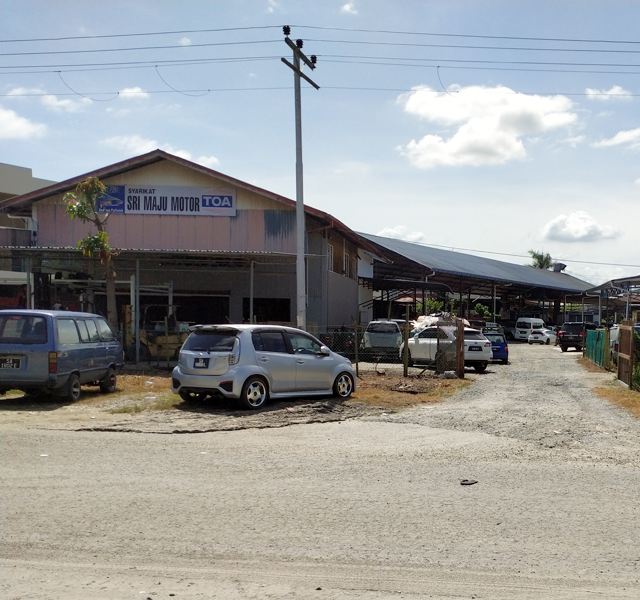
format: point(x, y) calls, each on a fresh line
point(260, 224)
point(15, 181)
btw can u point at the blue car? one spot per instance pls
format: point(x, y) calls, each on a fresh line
point(499, 346)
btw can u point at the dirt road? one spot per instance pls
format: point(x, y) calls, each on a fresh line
point(371, 507)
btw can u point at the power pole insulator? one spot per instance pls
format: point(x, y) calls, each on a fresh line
point(299, 44)
point(286, 30)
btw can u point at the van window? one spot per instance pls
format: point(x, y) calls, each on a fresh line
point(382, 327)
point(67, 331)
point(93, 330)
point(523, 325)
point(82, 328)
point(105, 331)
point(23, 329)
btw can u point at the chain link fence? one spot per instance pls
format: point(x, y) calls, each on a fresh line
point(394, 348)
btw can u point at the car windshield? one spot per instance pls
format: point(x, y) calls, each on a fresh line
point(473, 335)
point(210, 341)
point(22, 329)
point(496, 338)
point(389, 327)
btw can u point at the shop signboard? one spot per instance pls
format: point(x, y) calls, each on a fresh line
point(167, 200)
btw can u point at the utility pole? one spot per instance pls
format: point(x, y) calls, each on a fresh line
point(301, 287)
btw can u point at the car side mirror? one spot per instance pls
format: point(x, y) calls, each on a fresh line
point(324, 351)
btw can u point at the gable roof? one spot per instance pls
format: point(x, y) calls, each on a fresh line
point(467, 266)
point(21, 205)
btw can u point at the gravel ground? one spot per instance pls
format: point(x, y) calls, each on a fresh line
point(369, 507)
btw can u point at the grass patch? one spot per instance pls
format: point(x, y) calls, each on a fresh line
point(591, 366)
point(622, 397)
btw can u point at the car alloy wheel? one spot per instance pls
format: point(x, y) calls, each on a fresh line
point(254, 393)
point(343, 385)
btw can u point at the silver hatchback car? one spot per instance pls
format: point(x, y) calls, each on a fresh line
point(252, 363)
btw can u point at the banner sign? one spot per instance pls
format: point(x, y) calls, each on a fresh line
point(167, 200)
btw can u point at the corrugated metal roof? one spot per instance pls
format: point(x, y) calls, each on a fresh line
point(470, 266)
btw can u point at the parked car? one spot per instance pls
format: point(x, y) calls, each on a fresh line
point(423, 346)
point(382, 338)
point(572, 335)
point(524, 326)
point(252, 363)
point(57, 351)
point(542, 336)
point(499, 346)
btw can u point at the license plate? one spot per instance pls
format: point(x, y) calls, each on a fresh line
point(476, 348)
point(9, 363)
point(200, 363)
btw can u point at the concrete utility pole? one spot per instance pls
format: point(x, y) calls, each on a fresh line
point(301, 287)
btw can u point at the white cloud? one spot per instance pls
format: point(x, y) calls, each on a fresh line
point(134, 145)
point(630, 137)
point(579, 226)
point(20, 91)
point(65, 104)
point(573, 141)
point(185, 41)
point(15, 127)
point(133, 92)
point(615, 92)
point(349, 8)
point(489, 122)
point(272, 6)
point(399, 232)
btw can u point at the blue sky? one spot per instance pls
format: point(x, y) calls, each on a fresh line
point(491, 127)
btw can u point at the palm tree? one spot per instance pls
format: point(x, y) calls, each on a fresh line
point(541, 260)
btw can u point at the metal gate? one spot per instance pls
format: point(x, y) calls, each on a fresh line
point(625, 353)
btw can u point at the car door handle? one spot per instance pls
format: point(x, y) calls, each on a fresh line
point(263, 359)
point(301, 361)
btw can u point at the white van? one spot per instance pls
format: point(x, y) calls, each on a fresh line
point(524, 326)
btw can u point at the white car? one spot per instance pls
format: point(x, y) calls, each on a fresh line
point(424, 344)
point(252, 363)
point(542, 336)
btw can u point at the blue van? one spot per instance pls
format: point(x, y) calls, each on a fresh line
point(57, 351)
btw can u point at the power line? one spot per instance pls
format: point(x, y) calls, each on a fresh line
point(121, 35)
point(460, 35)
point(585, 262)
point(351, 30)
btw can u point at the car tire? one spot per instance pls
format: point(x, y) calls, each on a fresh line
point(343, 385)
point(108, 384)
point(564, 348)
point(547, 342)
point(505, 361)
point(254, 393)
point(578, 348)
point(192, 396)
point(530, 343)
point(480, 367)
point(73, 388)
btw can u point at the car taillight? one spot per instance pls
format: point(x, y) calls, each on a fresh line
point(53, 362)
point(582, 334)
point(233, 358)
point(506, 348)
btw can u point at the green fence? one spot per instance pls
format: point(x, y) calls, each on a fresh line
point(596, 346)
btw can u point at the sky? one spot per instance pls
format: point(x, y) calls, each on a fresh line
point(491, 128)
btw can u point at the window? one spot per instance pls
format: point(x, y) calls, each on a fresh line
point(211, 341)
point(330, 257)
point(67, 331)
point(347, 265)
point(105, 331)
point(93, 330)
point(82, 328)
point(19, 329)
point(303, 344)
point(269, 341)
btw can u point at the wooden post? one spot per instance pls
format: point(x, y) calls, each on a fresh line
point(460, 350)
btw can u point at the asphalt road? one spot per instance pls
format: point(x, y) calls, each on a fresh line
point(367, 508)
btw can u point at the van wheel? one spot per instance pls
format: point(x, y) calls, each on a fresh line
point(254, 393)
point(108, 384)
point(73, 388)
point(343, 385)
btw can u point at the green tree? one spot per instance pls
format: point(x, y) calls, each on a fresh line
point(541, 260)
point(83, 204)
point(482, 311)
